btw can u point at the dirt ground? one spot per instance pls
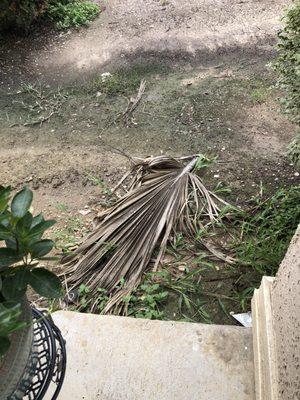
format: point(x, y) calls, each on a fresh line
point(208, 90)
point(133, 30)
point(226, 109)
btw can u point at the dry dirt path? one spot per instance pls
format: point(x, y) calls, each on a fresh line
point(134, 29)
point(194, 28)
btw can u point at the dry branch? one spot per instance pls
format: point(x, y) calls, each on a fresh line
point(133, 103)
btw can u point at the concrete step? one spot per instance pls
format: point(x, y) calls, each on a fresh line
point(118, 358)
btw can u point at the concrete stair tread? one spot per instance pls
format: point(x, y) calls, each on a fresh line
point(118, 358)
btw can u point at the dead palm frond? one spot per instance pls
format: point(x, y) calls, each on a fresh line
point(165, 196)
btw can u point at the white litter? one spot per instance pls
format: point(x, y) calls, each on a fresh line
point(105, 76)
point(244, 319)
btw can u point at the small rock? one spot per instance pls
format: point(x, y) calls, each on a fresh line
point(84, 212)
point(35, 184)
point(57, 182)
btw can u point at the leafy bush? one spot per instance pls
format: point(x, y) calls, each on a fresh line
point(75, 13)
point(288, 67)
point(294, 150)
point(22, 235)
point(20, 14)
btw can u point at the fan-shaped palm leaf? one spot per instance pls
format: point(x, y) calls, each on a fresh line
point(165, 196)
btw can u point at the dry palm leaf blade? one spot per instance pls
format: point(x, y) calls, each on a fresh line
point(166, 197)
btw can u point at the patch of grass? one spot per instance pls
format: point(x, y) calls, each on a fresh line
point(126, 80)
point(110, 197)
point(142, 303)
point(62, 207)
point(75, 13)
point(259, 95)
point(69, 235)
point(217, 105)
point(267, 229)
point(95, 180)
point(153, 297)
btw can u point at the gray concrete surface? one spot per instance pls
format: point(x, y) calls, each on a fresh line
point(285, 301)
point(118, 358)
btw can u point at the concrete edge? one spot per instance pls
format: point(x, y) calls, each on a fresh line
point(264, 345)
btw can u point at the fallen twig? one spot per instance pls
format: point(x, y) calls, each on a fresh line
point(133, 103)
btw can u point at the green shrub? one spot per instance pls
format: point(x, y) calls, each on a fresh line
point(21, 245)
point(294, 150)
point(288, 67)
point(20, 14)
point(72, 14)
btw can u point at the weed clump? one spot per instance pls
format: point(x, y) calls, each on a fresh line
point(267, 230)
point(72, 14)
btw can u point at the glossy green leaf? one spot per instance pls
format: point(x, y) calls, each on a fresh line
point(21, 277)
point(24, 224)
point(5, 233)
point(41, 248)
point(37, 220)
point(4, 197)
point(4, 345)
point(11, 243)
point(21, 203)
point(8, 257)
point(38, 230)
point(45, 283)
point(4, 218)
point(10, 289)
